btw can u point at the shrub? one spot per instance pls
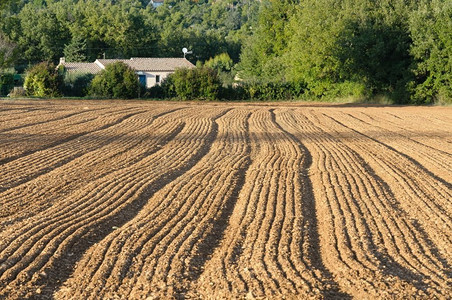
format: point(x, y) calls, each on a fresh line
point(43, 80)
point(6, 83)
point(117, 81)
point(77, 84)
point(265, 91)
point(197, 83)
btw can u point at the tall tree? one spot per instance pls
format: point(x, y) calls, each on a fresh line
point(7, 51)
point(75, 51)
point(261, 58)
point(431, 31)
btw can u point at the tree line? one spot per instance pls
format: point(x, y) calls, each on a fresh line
point(83, 30)
point(401, 49)
point(362, 48)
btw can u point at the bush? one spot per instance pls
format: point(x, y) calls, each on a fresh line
point(197, 83)
point(43, 80)
point(117, 81)
point(6, 83)
point(77, 84)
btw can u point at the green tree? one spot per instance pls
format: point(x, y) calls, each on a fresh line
point(223, 64)
point(43, 80)
point(261, 57)
point(41, 35)
point(431, 31)
point(7, 52)
point(117, 81)
point(313, 44)
point(75, 51)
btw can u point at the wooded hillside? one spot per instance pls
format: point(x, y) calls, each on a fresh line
point(326, 48)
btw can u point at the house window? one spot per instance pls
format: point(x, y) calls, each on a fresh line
point(142, 79)
point(157, 78)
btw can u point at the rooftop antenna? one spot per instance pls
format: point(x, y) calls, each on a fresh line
point(185, 50)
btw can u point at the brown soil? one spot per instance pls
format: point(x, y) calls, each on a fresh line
point(157, 200)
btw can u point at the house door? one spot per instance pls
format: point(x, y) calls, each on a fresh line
point(142, 79)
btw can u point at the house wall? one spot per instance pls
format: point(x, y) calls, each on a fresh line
point(151, 77)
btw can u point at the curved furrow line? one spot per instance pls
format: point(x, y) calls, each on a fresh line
point(387, 220)
point(178, 221)
point(379, 234)
point(334, 196)
point(255, 257)
point(439, 188)
point(7, 115)
point(412, 188)
point(439, 118)
point(45, 161)
point(351, 224)
point(412, 243)
point(182, 186)
point(434, 160)
point(112, 201)
point(423, 132)
point(102, 161)
point(431, 195)
point(308, 255)
point(38, 118)
point(434, 118)
point(83, 196)
point(263, 277)
point(23, 143)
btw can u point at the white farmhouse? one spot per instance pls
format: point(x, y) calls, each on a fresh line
point(150, 71)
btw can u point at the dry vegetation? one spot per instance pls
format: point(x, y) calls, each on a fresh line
point(136, 200)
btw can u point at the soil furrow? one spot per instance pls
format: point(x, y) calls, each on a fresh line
point(110, 210)
point(163, 200)
point(80, 153)
point(174, 221)
point(103, 161)
point(409, 254)
point(377, 187)
point(251, 264)
point(19, 144)
point(431, 197)
point(47, 160)
point(40, 118)
point(429, 158)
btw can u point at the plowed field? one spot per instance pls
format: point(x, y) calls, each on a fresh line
point(155, 200)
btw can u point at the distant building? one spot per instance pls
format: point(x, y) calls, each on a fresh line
point(156, 3)
point(150, 71)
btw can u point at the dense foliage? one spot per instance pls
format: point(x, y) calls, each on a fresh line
point(358, 48)
point(6, 83)
point(431, 31)
point(117, 81)
point(44, 80)
point(401, 49)
point(90, 29)
point(77, 84)
point(198, 83)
